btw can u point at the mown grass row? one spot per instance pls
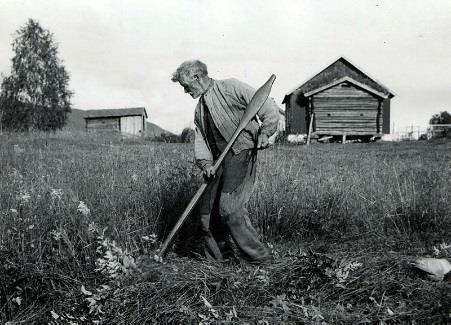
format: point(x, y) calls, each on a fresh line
point(379, 194)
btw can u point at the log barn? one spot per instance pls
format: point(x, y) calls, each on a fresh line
point(344, 102)
point(127, 121)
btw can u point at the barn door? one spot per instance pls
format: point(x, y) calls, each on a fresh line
point(131, 125)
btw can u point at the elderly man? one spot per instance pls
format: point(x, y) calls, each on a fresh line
point(223, 207)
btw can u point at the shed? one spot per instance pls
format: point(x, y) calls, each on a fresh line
point(128, 121)
point(343, 100)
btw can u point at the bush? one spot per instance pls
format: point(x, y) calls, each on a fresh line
point(187, 135)
point(168, 138)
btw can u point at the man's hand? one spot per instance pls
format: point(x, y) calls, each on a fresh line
point(209, 171)
point(262, 141)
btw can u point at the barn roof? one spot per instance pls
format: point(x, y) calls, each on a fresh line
point(346, 79)
point(117, 112)
point(336, 72)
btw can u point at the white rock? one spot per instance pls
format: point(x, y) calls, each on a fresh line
point(436, 268)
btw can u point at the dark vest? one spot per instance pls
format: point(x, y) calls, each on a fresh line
point(215, 139)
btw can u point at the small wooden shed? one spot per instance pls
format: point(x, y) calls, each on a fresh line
point(343, 100)
point(128, 121)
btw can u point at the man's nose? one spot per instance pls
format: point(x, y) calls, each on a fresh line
point(186, 90)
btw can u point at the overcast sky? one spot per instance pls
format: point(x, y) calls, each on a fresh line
point(122, 53)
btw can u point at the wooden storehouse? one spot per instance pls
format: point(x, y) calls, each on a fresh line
point(343, 100)
point(127, 121)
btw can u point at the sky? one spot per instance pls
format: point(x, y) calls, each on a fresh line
point(123, 53)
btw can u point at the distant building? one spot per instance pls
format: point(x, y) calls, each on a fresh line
point(280, 128)
point(281, 125)
point(343, 100)
point(128, 121)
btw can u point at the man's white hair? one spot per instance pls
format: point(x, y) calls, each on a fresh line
point(188, 69)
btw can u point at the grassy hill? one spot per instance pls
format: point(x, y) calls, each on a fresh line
point(154, 130)
point(75, 122)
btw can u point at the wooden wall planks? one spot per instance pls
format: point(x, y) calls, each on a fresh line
point(347, 109)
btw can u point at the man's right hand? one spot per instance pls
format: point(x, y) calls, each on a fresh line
point(209, 171)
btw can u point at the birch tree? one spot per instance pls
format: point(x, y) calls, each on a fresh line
point(36, 94)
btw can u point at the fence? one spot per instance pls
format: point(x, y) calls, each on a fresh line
point(413, 133)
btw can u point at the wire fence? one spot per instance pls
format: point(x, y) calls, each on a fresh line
point(413, 133)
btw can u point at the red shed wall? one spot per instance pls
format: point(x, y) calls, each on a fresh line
point(295, 113)
point(386, 116)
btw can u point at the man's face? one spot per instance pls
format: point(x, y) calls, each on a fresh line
point(192, 86)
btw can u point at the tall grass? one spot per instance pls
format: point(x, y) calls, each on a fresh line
point(134, 189)
point(336, 191)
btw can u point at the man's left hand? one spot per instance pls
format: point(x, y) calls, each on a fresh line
point(262, 141)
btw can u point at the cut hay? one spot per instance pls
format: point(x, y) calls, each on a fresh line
point(302, 287)
point(298, 287)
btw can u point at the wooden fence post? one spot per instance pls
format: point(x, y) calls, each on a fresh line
point(310, 128)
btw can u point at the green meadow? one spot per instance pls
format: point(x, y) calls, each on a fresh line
point(81, 217)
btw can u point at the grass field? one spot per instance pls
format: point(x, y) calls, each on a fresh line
point(80, 217)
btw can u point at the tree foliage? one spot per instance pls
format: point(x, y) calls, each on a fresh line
point(167, 138)
point(35, 95)
point(441, 118)
point(187, 135)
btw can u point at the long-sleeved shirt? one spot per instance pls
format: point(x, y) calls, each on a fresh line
point(227, 100)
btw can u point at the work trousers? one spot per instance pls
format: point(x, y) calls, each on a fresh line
point(223, 210)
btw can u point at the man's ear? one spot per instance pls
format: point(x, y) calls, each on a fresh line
point(196, 77)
